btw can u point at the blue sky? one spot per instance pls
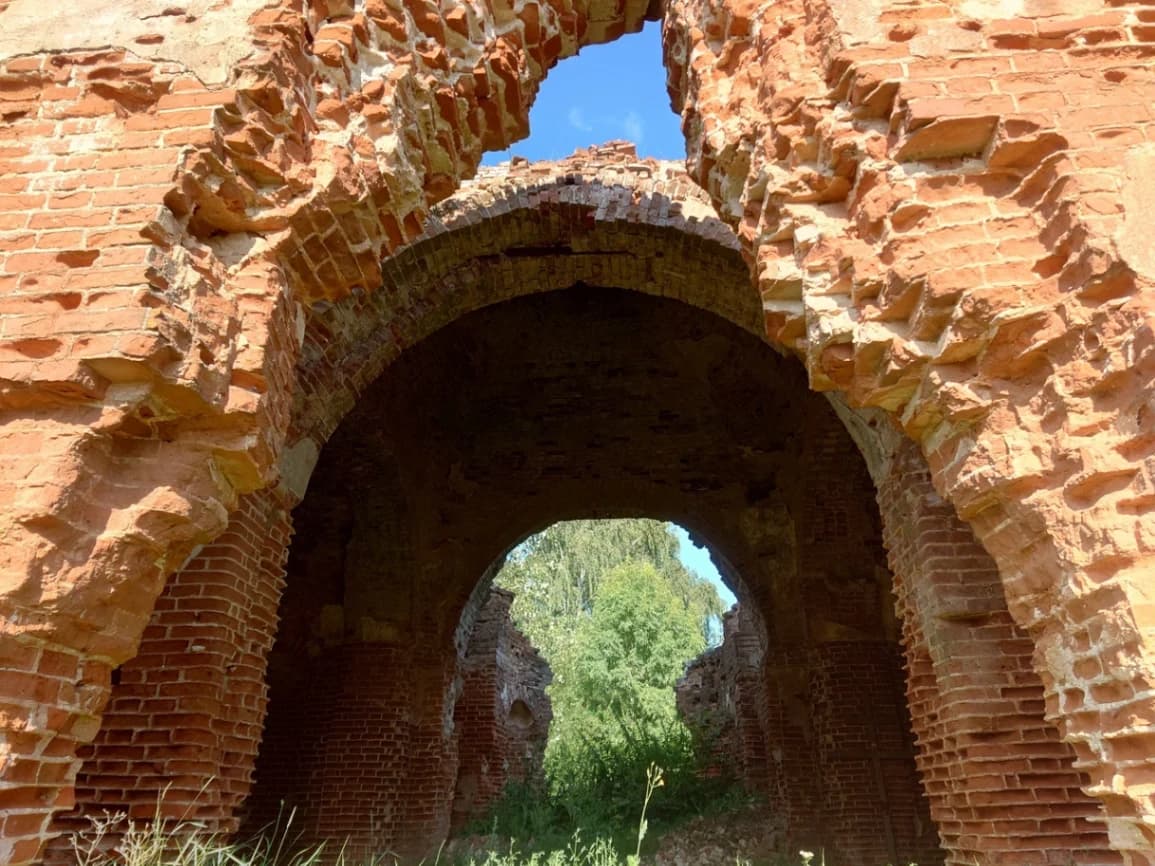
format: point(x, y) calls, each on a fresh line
point(697, 559)
point(606, 92)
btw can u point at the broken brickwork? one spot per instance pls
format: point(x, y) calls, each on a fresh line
point(501, 718)
point(720, 699)
point(211, 244)
point(1001, 784)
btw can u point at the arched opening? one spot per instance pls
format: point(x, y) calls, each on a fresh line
point(663, 400)
point(614, 91)
point(520, 715)
point(593, 622)
point(571, 403)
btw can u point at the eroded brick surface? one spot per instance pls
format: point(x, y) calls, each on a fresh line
point(179, 737)
point(501, 718)
point(939, 199)
point(1003, 788)
point(942, 203)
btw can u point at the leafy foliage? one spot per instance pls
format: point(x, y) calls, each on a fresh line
point(617, 616)
point(630, 651)
point(556, 573)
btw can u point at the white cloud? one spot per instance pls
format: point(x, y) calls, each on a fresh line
point(633, 127)
point(578, 121)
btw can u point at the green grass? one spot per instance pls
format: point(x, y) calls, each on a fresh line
point(596, 790)
point(116, 841)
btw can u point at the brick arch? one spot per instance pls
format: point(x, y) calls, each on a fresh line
point(245, 203)
point(470, 432)
point(603, 216)
point(183, 344)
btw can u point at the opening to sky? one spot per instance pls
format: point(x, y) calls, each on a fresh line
point(697, 559)
point(606, 92)
point(613, 91)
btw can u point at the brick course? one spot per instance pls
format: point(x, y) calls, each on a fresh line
point(179, 736)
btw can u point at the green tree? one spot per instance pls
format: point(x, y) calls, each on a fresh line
point(555, 574)
point(631, 649)
point(617, 616)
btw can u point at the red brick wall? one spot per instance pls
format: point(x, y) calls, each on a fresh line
point(358, 743)
point(142, 392)
point(874, 808)
point(795, 791)
point(501, 718)
point(814, 715)
point(1003, 787)
point(181, 731)
point(823, 733)
point(65, 693)
point(959, 239)
point(363, 752)
point(385, 768)
point(721, 699)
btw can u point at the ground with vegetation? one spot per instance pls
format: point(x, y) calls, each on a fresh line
point(151, 845)
point(617, 616)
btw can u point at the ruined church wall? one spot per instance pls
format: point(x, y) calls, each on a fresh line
point(163, 238)
point(501, 718)
point(712, 700)
point(181, 732)
point(809, 711)
point(155, 227)
point(941, 203)
point(1002, 785)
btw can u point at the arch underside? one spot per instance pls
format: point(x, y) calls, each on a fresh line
point(578, 403)
point(593, 401)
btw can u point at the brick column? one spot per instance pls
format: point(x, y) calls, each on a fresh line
point(501, 718)
point(51, 699)
point(1002, 786)
point(181, 730)
point(794, 789)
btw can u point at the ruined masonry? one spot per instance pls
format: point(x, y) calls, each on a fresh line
point(281, 382)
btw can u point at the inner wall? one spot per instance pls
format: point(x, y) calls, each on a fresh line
point(584, 403)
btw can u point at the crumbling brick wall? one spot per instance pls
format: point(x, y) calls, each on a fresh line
point(180, 734)
point(720, 697)
point(942, 202)
point(501, 718)
point(821, 735)
point(1002, 785)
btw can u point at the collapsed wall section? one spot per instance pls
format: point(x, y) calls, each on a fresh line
point(169, 181)
point(720, 699)
point(821, 735)
point(501, 718)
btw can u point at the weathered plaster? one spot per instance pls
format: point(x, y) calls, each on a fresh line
point(206, 36)
point(1134, 237)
